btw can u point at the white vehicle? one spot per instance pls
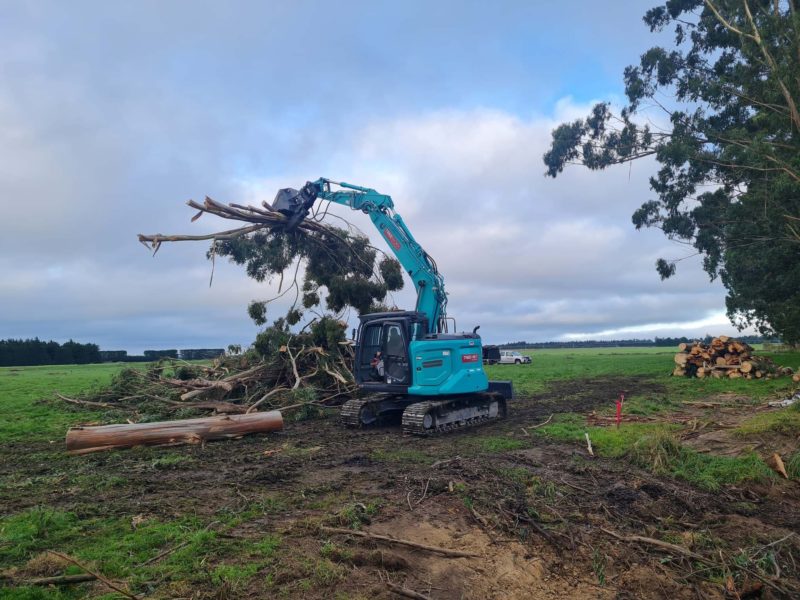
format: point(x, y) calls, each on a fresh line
point(512, 357)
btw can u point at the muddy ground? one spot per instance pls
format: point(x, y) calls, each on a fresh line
point(546, 519)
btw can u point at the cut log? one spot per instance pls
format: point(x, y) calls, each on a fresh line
point(734, 374)
point(81, 440)
point(682, 347)
point(795, 378)
point(720, 360)
point(681, 358)
point(724, 339)
point(746, 367)
point(701, 372)
point(678, 372)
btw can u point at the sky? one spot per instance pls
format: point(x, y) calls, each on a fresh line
point(113, 114)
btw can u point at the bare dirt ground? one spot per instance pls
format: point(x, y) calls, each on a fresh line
point(545, 518)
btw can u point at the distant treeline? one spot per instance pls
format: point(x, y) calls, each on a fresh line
point(151, 355)
point(669, 342)
point(14, 353)
point(36, 352)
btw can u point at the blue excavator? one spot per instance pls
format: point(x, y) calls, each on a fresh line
point(407, 362)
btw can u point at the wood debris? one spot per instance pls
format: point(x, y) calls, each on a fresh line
point(727, 358)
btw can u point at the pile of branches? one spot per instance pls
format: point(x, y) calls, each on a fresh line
point(724, 357)
point(304, 371)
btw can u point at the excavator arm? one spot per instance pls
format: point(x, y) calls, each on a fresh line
point(429, 283)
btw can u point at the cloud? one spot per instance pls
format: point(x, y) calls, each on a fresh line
point(112, 115)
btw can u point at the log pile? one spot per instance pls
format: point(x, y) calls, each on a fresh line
point(724, 357)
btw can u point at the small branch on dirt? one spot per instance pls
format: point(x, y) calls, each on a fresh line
point(440, 463)
point(775, 543)
point(58, 580)
point(425, 491)
point(575, 487)
point(163, 554)
point(542, 423)
point(401, 591)
point(589, 444)
point(391, 540)
point(408, 499)
point(534, 525)
point(660, 544)
point(97, 576)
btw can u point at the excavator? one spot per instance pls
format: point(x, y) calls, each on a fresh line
point(408, 363)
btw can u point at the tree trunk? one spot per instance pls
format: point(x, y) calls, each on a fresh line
point(81, 440)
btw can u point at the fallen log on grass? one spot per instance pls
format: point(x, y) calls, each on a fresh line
point(82, 440)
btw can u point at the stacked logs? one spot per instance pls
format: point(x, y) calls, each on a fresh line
point(724, 357)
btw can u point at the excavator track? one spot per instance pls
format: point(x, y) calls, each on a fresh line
point(372, 410)
point(441, 416)
point(351, 412)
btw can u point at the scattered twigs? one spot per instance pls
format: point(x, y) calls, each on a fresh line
point(97, 576)
point(391, 540)
point(405, 592)
point(674, 548)
point(575, 487)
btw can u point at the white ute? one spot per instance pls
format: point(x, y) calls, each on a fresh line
point(511, 357)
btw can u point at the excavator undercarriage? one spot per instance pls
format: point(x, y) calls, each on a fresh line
point(425, 417)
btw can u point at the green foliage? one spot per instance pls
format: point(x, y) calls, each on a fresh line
point(336, 260)
point(325, 333)
point(729, 162)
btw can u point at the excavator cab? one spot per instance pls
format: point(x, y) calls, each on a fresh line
point(382, 351)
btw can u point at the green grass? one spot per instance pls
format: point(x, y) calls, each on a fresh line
point(655, 447)
point(105, 539)
point(654, 363)
point(22, 389)
point(781, 420)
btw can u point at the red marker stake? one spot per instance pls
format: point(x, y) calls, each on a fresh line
point(620, 400)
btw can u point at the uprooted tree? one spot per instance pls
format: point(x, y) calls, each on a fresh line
point(309, 365)
point(728, 181)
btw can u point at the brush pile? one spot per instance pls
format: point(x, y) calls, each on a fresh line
point(302, 370)
point(724, 357)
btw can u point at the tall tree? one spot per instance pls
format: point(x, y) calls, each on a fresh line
point(728, 181)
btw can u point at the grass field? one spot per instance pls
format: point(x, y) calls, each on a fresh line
point(234, 522)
